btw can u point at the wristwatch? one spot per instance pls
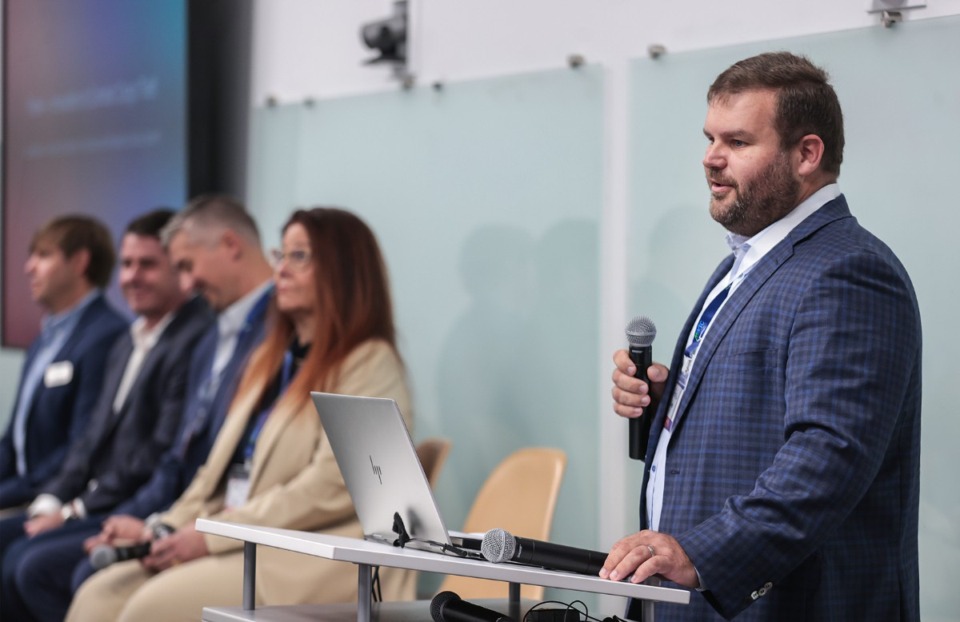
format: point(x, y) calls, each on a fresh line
point(69, 511)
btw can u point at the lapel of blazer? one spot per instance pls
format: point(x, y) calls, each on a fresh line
point(115, 371)
point(656, 427)
point(246, 342)
point(89, 314)
point(31, 354)
point(181, 319)
point(661, 414)
point(230, 436)
point(227, 384)
point(277, 421)
point(103, 417)
point(761, 272)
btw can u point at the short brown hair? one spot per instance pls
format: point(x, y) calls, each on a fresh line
point(76, 232)
point(806, 102)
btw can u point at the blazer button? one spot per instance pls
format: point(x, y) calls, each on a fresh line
point(754, 595)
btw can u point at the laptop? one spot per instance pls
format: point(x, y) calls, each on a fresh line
point(379, 464)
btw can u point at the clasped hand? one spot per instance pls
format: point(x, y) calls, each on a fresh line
point(181, 546)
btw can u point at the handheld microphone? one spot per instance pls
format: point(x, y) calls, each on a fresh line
point(500, 546)
point(449, 607)
point(103, 555)
point(640, 334)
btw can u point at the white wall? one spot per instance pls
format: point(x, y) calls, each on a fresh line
point(306, 48)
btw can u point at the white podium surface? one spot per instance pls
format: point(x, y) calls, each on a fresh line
point(366, 553)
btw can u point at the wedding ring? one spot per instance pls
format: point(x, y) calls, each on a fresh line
point(652, 550)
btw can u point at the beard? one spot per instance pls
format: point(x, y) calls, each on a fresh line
point(759, 201)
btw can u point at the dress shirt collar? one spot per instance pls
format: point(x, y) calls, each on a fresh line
point(66, 320)
point(231, 320)
point(761, 243)
point(145, 338)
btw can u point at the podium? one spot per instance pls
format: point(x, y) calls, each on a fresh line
point(365, 555)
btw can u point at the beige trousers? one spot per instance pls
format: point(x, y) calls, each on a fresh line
point(127, 593)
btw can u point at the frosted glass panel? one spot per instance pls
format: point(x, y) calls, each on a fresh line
point(486, 197)
point(900, 91)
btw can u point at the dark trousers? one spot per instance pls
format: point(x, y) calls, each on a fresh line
point(11, 533)
point(37, 573)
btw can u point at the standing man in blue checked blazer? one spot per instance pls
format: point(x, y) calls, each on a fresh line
point(781, 479)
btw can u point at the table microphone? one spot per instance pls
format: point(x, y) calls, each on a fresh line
point(500, 546)
point(449, 607)
point(640, 334)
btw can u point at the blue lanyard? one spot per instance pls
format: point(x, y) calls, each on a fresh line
point(286, 375)
point(704, 322)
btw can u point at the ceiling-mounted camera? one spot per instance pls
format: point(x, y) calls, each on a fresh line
point(388, 36)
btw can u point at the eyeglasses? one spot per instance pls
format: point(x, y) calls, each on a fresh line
point(298, 259)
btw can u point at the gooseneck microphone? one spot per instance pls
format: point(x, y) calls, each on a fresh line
point(103, 555)
point(500, 546)
point(449, 607)
point(640, 334)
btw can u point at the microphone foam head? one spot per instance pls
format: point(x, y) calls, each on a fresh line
point(640, 332)
point(439, 602)
point(498, 546)
point(102, 556)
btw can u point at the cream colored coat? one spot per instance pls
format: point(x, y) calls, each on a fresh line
point(294, 484)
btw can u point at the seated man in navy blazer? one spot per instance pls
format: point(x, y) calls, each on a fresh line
point(71, 259)
point(135, 419)
point(781, 476)
point(215, 245)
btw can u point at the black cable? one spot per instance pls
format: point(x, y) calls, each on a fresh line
point(567, 607)
point(375, 585)
point(403, 538)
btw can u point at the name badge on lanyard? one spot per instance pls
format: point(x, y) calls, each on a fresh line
point(690, 354)
point(678, 391)
point(238, 486)
point(238, 477)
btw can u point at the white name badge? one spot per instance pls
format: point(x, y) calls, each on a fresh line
point(58, 374)
point(238, 487)
point(678, 391)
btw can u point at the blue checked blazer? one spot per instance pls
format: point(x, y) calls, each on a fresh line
point(793, 470)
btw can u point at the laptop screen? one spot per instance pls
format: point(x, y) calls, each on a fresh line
point(379, 464)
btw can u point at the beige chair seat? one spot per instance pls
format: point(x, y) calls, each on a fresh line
point(519, 496)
